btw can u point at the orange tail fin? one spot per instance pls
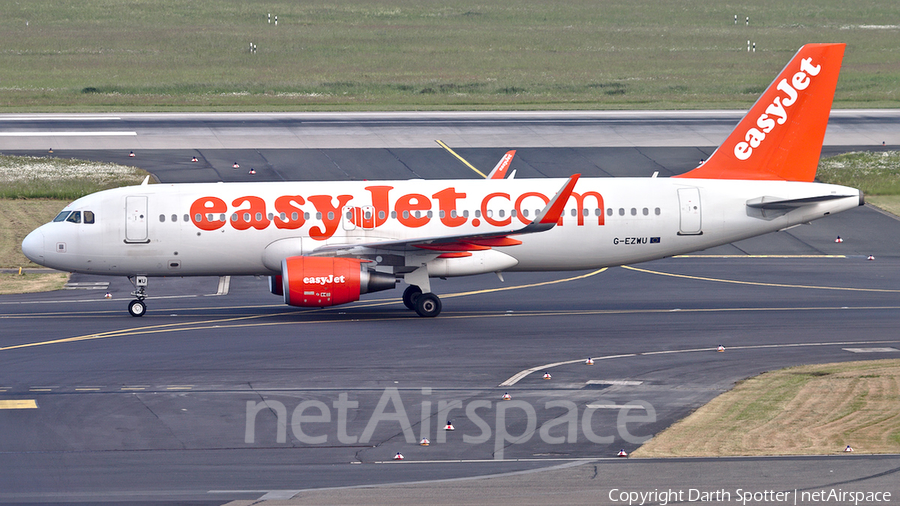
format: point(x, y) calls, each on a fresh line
point(781, 136)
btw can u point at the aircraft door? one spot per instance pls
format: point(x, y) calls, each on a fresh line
point(690, 212)
point(136, 220)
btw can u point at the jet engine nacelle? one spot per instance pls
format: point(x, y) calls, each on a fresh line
point(326, 281)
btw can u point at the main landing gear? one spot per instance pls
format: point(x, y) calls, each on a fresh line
point(425, 304)
point(138, 307)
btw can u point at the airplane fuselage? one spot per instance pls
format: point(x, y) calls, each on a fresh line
point(247, 229)
point(328, 243)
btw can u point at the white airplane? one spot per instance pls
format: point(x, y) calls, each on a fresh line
point(327, 243)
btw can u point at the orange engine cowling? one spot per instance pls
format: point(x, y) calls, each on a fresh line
point(326, 281)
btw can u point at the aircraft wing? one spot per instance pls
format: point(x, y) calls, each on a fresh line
point(545, 220)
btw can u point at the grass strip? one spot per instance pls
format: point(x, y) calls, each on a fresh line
point(126, 55)
point(30, 177)
point(875, 173)
point(32, 282)
point(805, 410)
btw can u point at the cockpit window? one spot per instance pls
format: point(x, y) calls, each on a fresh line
point(61, 216)
point(75, 217)
point(89, 217)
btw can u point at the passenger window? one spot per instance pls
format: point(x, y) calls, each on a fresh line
point(609, 212)
point(75, 217)
point(175, 218)
point(162, 218)
point(61, 216)
point(657, 211)
point(646, 212)
point(89, 217)
point(187, 218)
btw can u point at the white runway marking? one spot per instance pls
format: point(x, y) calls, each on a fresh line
point(69, 134)
point(522, 374)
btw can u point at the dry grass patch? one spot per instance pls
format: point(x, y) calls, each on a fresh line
point(889, 203)
point(806, 410)
point(29, 283)
point(21, 217)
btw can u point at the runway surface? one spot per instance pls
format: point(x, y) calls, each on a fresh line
point(220, 393)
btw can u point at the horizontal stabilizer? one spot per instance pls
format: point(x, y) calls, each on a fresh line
point(768, 202)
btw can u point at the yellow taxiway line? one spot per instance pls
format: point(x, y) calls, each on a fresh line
point(18, 404)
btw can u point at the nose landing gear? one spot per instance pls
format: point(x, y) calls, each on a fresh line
point(138, 307)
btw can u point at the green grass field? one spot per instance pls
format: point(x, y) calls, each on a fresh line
point(873, 173)
point(109, 55)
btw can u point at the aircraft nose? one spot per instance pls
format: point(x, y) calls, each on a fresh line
point(33, 246)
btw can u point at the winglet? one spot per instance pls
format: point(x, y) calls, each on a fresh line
point(499, 171)
point(781, 136)
point(550, 215)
